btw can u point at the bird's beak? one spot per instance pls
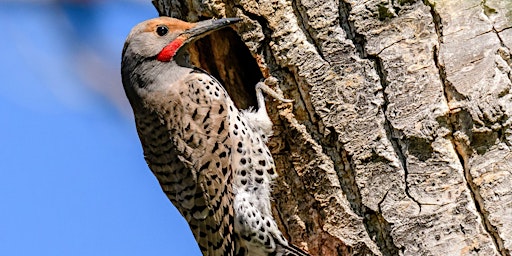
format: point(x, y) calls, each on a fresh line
point(203, 28)
point(193, 32)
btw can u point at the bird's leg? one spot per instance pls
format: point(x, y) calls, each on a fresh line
point(260, 118)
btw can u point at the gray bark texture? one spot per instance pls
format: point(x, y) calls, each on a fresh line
point(399, 138)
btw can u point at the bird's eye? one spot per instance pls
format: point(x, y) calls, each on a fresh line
point(162, 30)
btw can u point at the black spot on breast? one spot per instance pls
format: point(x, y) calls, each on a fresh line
point(215, 147)
point(226, 233)
point(259, 180)
point(267, 243)
point(262, 162)
point(221, 127)
point(222, 155)
point(221, 109)
point(204, 166)
point(270, 171)
point(243, 161)
point(259, 172)
point(190, 139)
point(207, 116)
point(194, 114)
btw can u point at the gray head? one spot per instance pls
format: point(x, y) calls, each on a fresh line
point(154, 45)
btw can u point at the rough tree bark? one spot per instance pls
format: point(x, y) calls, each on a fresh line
point(399, 139)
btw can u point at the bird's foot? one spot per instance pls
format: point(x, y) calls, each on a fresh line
point(264, 87)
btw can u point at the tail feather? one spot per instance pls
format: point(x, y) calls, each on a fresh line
point(291, 250)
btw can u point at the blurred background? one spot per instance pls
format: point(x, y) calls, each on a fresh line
point(73, 180)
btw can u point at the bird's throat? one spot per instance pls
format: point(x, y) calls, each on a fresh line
point(170, 50)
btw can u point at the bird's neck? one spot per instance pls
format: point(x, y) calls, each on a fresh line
point(154, 78)
point(157, 76)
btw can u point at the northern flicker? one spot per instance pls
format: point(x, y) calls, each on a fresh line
point(210, 158)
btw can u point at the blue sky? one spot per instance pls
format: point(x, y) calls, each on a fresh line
point(73, 180)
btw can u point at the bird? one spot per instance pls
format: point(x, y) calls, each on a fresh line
point(210, 158)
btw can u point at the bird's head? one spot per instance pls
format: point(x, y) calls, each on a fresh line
point(154, 42)
point(162, 38)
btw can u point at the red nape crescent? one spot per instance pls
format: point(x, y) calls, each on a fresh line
point(170, 50)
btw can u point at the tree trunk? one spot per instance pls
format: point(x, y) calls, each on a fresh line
point(399, 139)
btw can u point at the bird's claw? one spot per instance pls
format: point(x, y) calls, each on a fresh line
point(264, 86)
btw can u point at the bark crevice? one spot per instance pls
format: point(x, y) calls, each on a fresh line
point(359, 41)
point(375, 224)
point(348, 26)
point(302, 22)
point(502, 43)
point(393, 134)
point(262, 22)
